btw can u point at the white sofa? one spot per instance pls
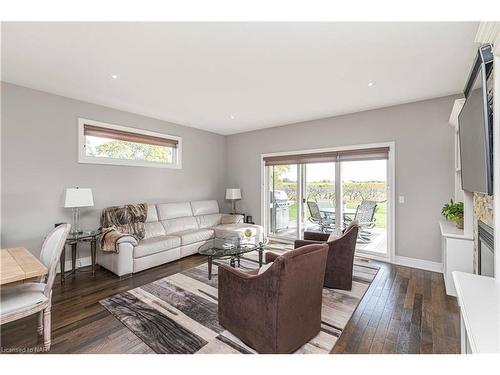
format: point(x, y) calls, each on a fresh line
point(173, 231)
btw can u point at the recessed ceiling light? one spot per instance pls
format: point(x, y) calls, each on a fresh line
point(114, 76)
point(371, 84)
point(231, 117)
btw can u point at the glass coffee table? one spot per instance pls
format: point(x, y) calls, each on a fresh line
point(229, 248)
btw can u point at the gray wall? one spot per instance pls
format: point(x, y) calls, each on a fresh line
point(39, 160)
point(424, 162)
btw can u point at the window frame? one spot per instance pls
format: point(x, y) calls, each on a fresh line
point(84, 158)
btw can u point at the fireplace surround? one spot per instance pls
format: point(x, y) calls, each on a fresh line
point(486, 246)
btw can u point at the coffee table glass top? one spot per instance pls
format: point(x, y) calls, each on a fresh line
point(221, 247)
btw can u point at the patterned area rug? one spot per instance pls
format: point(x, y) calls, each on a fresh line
point(178, 314)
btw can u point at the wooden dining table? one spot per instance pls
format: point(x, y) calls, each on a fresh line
point(18, 265)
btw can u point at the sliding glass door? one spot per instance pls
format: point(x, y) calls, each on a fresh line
point(364, 197)
point(319, 196)
point(324, 191)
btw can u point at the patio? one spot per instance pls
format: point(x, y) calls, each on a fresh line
point(378, 244)
point(378, 238)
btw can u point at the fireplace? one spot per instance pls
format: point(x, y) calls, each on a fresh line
point(486, 249)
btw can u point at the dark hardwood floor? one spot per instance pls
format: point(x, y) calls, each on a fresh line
point(405, 310)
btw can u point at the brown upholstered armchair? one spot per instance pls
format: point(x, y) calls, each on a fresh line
point(340, 260)
point(278, 310)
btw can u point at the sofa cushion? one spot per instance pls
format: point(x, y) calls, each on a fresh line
point(231, 230)
point(173, 210)
point(191, 236)
point(180, 224)
point(155, 245)
point(154, 229)
point(208, 221)
point(152, 214)
point(205, 207)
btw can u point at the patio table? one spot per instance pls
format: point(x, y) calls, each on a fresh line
point(331, 211)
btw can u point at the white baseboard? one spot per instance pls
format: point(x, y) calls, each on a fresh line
point(419, 263)
point(368, 255)
point(80, 262)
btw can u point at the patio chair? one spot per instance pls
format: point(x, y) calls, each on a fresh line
point(365, 215)
point(317, 217)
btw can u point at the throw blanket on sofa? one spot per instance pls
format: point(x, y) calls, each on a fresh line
point(122, 221)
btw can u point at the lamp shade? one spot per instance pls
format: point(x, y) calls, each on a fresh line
point(78, 197)
point(233, 194)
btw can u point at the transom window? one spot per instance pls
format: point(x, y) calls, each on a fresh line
point(102, 143)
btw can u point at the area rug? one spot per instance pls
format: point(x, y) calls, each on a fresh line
point(178, 314)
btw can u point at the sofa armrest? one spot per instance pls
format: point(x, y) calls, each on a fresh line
point(121, 263)
point(316, 236)
point(300, 243)
point(128, 239)
point(231, 219)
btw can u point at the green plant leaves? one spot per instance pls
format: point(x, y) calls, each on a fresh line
point(453, 211)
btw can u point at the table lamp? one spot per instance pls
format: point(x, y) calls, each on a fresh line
point(76, 198)
point(233, 195)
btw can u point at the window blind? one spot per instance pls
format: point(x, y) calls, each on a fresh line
point(378, 153)
point(121, 135)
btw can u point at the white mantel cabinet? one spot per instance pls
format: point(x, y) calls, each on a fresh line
point(457, 249)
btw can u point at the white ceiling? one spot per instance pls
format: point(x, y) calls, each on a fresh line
point(234, 77)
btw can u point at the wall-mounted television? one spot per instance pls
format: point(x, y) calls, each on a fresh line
point(475, 124)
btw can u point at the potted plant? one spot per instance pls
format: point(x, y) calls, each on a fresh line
point(454, 211)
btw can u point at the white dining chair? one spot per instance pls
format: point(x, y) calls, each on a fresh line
point(19, 301)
